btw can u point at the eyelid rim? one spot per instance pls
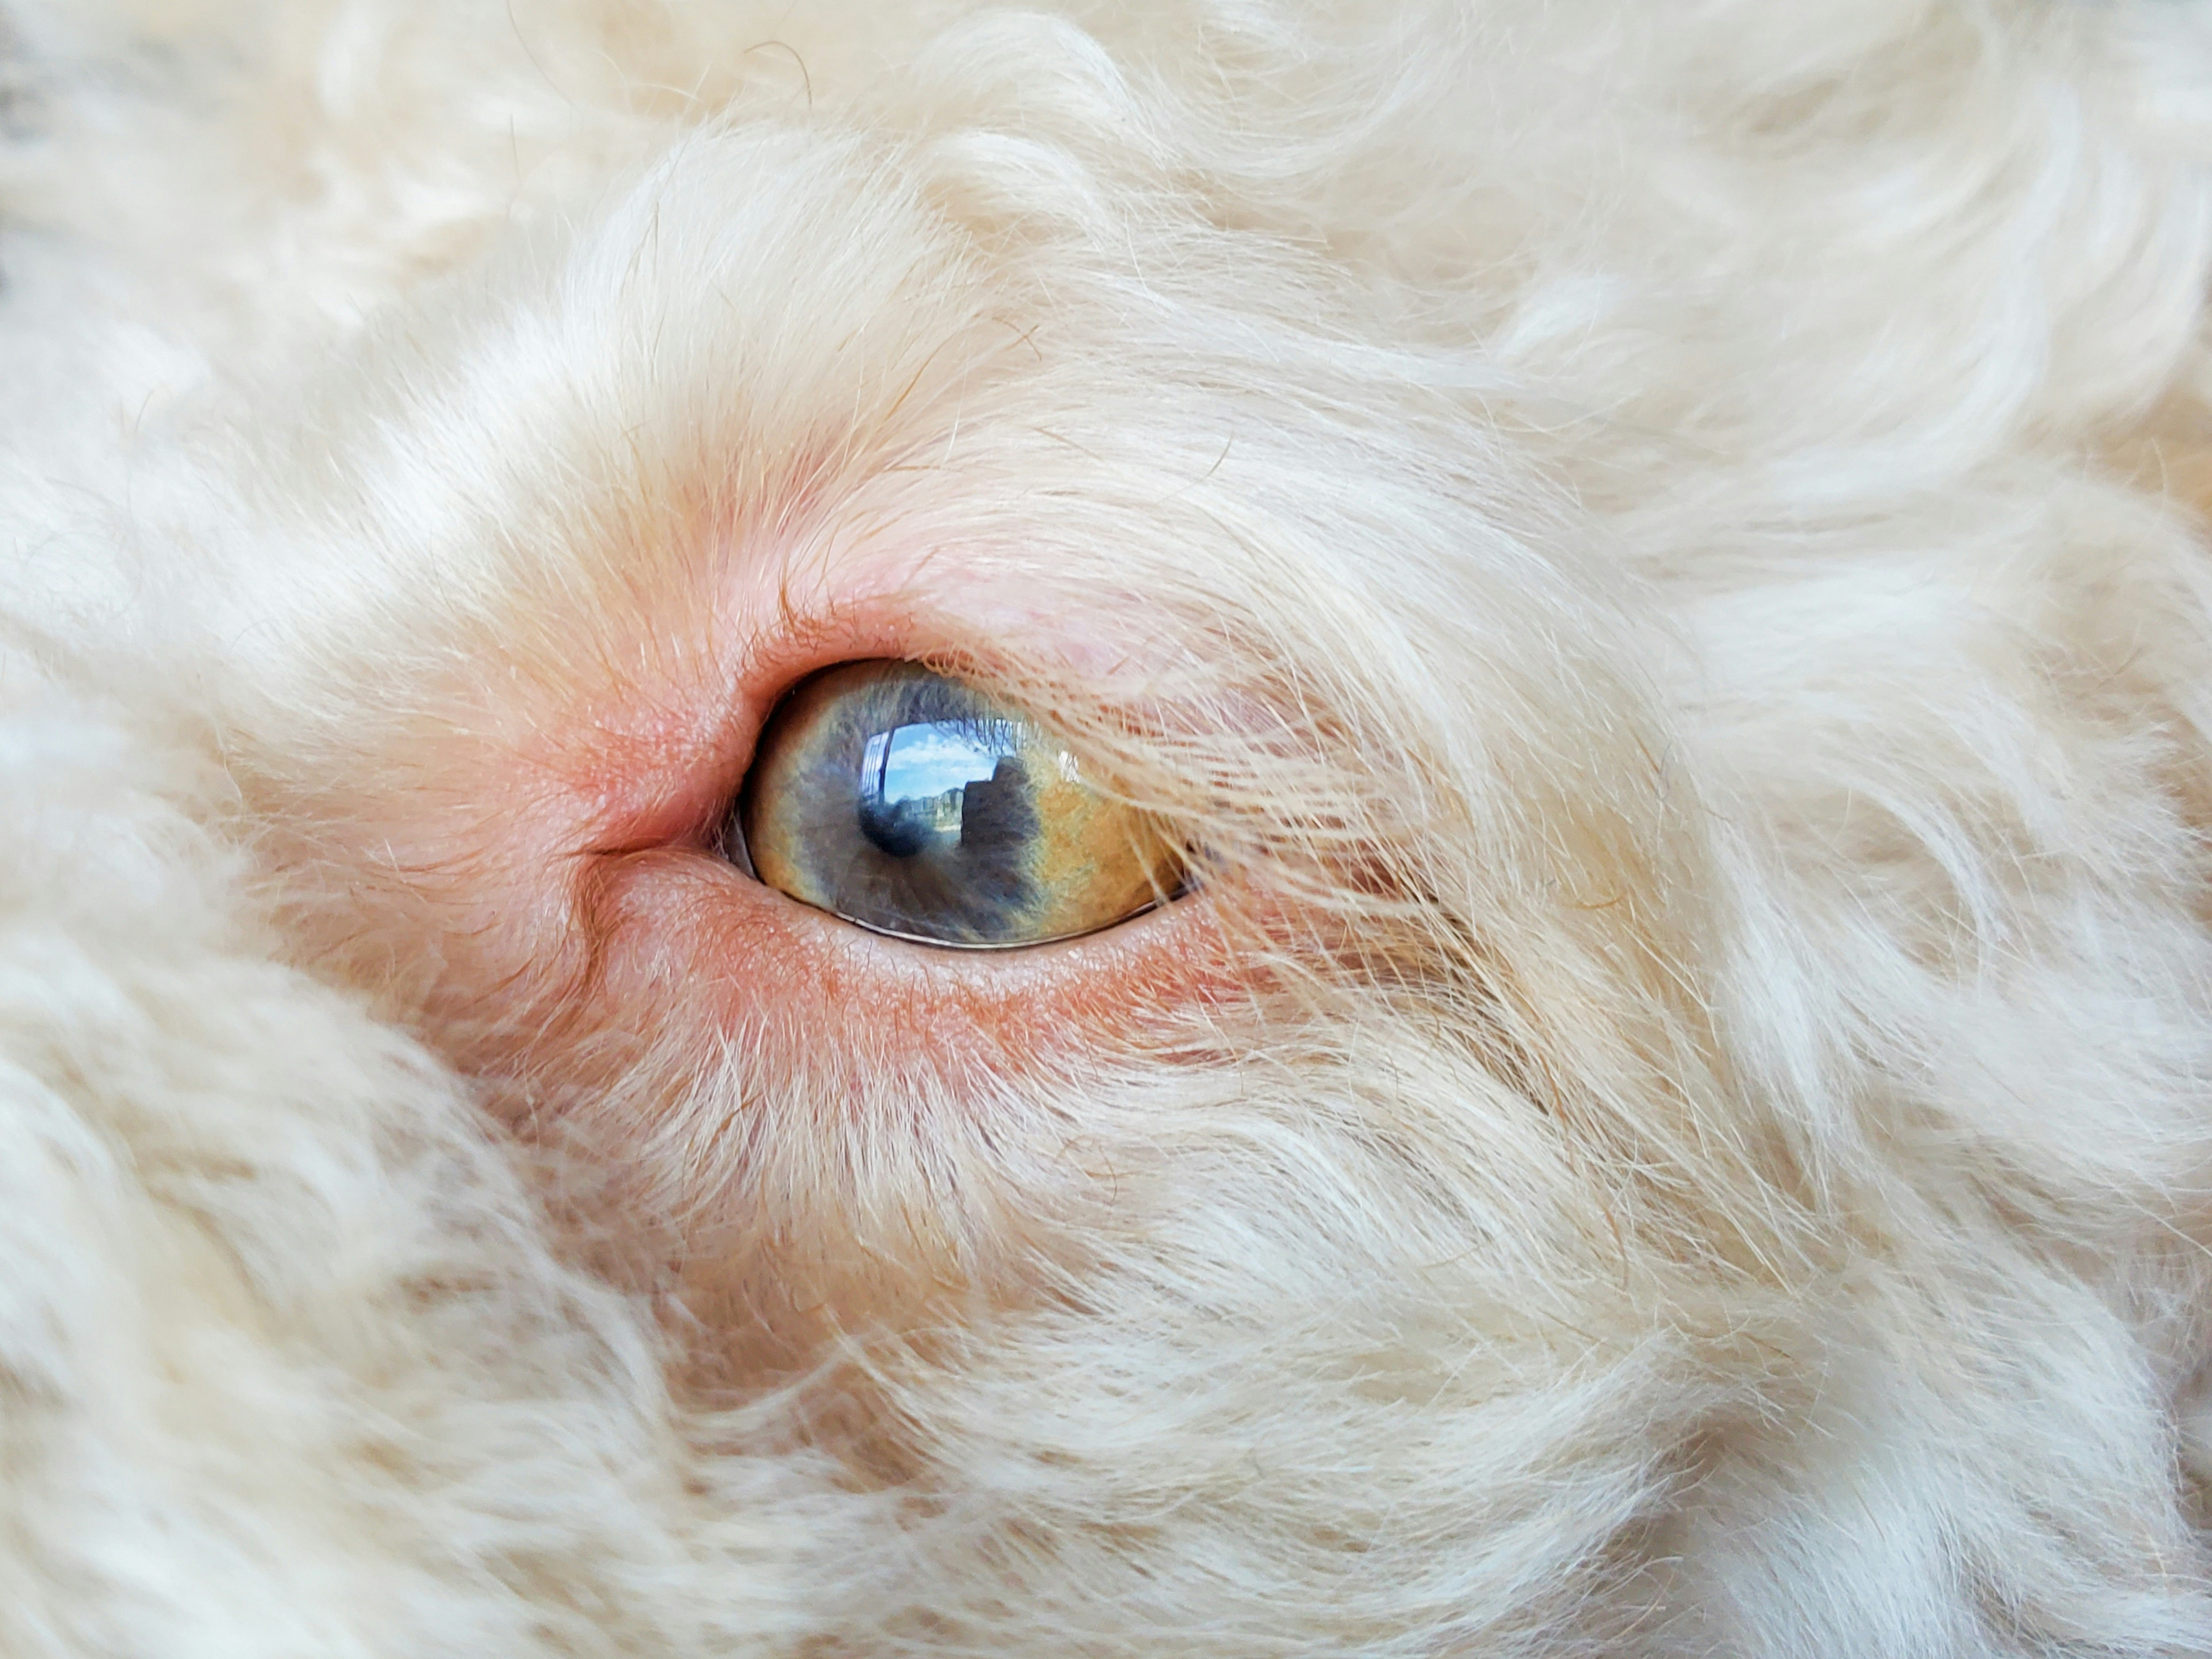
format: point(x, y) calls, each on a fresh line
point(977, 946)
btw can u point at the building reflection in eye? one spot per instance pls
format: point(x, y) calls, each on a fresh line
point(930, 786)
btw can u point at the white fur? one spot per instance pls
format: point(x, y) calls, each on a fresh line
point(1653, 550)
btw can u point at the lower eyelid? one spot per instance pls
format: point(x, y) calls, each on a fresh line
point(715, 954)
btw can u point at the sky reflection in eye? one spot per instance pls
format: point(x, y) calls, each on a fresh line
point(914, 762)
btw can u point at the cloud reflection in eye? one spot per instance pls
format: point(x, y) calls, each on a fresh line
point(921, 773)
point(915, 805)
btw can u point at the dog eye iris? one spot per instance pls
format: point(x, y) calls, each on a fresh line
point(915, 805)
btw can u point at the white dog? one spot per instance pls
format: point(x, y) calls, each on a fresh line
point(1573, 634)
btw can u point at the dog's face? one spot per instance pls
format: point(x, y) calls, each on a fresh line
point(1674, 969)
point(1391, 1070)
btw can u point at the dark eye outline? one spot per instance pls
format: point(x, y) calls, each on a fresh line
point(730, 842)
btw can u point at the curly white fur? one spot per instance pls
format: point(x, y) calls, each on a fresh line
point(1653, 550)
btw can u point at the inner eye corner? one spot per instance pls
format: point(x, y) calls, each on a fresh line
point(727, 841)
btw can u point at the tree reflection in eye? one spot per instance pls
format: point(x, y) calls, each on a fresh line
point(920, 783)
point(917, 805)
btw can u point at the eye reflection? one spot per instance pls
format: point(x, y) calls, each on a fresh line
point(931, 784)
point(915, 805)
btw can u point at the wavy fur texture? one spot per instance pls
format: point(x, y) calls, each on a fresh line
point(1652, 552)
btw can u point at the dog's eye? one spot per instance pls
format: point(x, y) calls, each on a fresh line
point(917, 806)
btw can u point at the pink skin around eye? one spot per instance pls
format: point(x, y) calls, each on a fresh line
point(600, 956)
point(543, 863)
point(633, 923)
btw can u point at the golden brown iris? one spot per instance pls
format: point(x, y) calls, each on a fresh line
point(919, 806)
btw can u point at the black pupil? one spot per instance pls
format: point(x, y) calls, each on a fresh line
point(949, 803)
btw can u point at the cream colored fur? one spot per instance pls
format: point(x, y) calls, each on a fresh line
point(1653, 553)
